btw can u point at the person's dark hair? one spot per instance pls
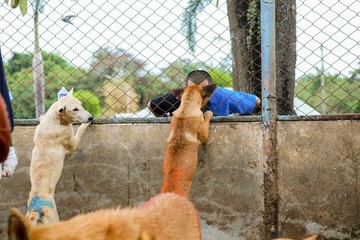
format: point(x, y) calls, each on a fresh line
point(198, 76)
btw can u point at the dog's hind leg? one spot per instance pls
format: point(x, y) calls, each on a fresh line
point(177, 180)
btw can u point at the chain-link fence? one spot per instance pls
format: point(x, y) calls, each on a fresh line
point(328, 64)
point(118, 55)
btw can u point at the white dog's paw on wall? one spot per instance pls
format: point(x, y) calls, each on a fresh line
point(10, 163)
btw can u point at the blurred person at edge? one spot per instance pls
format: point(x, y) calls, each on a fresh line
point(4, 131)
point(8, 166)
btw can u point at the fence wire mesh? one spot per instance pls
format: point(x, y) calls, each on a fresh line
point(118, 55)
point(328, 39)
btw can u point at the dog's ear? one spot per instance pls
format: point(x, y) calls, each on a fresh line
point(178, 92)
point(70, 93)
point(18, 225)
point(208, 90)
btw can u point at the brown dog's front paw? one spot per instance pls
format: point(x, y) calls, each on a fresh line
point(208, 114)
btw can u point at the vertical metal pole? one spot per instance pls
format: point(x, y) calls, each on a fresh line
point(323, 91)
point(268, 125)
point(268, 57)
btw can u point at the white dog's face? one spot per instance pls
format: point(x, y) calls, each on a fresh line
point(70, 110)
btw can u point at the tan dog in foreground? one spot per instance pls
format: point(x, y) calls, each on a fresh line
point(189, 128)
point(313, 237)
point(164, 217)
point(54, 138)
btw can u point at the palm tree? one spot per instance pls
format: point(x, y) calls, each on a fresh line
point(38, 65)
point(244, 22)
point(22, 4)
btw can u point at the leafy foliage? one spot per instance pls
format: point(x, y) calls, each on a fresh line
point(22, 4)
point(140, 85)
point(341, 94)
point(133, 85)
point(221, 77)
point(90, 101)
point(190, 21)
point(58, 73)
point(19, 61)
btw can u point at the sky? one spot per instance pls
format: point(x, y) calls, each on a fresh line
point(149, 30)
point(333, 25)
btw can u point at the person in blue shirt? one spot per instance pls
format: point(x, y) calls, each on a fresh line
point(223, 101)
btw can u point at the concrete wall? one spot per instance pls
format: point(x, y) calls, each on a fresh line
point(319, 178)
point(120, 164)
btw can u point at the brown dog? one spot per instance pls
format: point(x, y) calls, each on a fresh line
point(164, 217)
point(313, 237)
point(189, 128)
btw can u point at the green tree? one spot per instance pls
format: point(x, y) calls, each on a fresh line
point(148, 87)
point(90, 101)
point(173, 75)
point(20, 84)
point(221, 77)
point(19, 61)
point(342, 95)
point(357, 108)
point(22, 4)
point(109, 63)
point(58, 73)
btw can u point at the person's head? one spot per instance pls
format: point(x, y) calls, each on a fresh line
point(201, 78)
point(198, 77)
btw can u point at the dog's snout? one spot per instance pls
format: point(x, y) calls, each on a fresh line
point(91, 118)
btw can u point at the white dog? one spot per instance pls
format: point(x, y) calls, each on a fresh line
point(54, 138)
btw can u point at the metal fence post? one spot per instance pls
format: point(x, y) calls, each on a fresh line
point(268, 124)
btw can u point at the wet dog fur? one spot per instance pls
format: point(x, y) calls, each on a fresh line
point(189, 129)
point(54, 138)
point(164, 217)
